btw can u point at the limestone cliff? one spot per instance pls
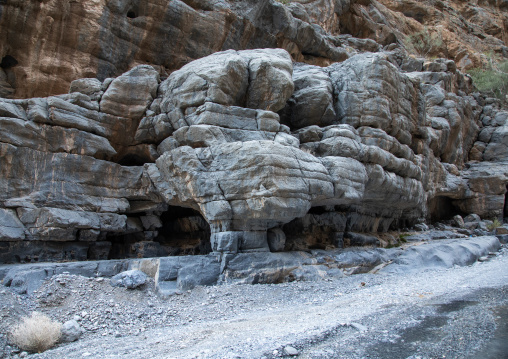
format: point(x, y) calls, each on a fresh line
point(240, 150)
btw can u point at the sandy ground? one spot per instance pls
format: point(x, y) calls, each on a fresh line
point(454, 313)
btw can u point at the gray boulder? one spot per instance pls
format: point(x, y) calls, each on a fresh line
point(130, 94)
point(70, 331)
point(89, 86)
point(129, 279)
point(11, 228)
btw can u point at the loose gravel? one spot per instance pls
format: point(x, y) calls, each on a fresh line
point(429, 314)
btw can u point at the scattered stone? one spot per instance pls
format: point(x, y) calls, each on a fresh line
point(472, 218)
point(421, 227)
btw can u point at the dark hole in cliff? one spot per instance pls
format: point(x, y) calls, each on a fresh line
point(318, 229)
point(184, 232)
point(442, 208)
point(131, 14)
point(418, 16)
point(8, 61)
point(133, 160)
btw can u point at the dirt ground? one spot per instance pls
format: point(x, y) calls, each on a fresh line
point(459, 312)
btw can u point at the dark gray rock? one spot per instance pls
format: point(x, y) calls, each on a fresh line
point(25, 281)
point(357, 239)
point(186, 272)
point(276, 239)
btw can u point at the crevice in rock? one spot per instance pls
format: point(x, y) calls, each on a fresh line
point(318, 229)
point(131, 14)
point(132, 160)
point(8, 61)
point(183, 231)
point(442, 208)
point(505, 208)
point(7, 76)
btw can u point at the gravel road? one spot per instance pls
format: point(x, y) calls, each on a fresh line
point(454, 313)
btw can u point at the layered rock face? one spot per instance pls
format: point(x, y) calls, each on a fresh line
point(244, 151)
point(63, 40)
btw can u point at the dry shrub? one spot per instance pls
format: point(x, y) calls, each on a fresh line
point(36, 333)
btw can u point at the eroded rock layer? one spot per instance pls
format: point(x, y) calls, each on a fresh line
point(245, 151)
point(48, 44)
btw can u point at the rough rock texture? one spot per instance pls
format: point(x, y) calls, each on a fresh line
point(64, 41)
point(71, 331)
point(129, 279)
point(202, 161)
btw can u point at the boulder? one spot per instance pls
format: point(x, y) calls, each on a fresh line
point(129, 279)
point(11, 228)
point(130, 94)
point(70, 331)
point(91, 87)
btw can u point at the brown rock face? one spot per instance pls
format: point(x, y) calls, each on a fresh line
point(458, 30)
point(64, 41)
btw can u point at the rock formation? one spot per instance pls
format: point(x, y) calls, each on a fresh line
point(238, 151)
point(63, 41)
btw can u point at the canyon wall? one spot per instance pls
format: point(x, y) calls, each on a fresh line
point(311, 138)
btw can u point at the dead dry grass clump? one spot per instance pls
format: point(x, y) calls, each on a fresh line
point(36, 333)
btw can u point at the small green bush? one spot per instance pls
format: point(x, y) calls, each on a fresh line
point(495, 224)
point(285, 2)
point(493, 79)
point(402, 237)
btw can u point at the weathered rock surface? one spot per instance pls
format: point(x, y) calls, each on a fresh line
point(242, 151)
point(70, 331)
point(43, 57)
point(173, 275)
point(129, 279)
